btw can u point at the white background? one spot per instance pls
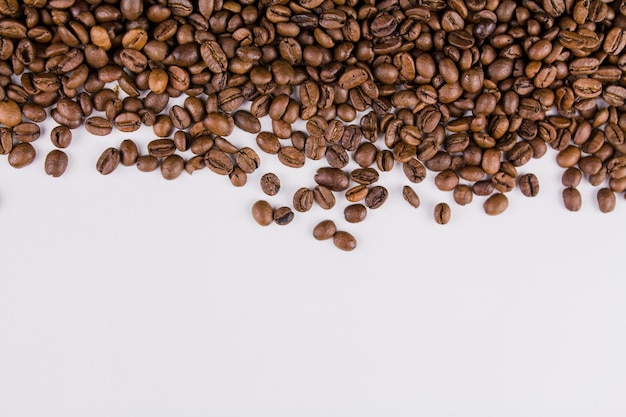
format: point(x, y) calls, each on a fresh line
point(129, 295)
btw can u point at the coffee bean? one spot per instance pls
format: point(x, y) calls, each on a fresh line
point(219, 162)
point(108, 161)
point(376, 197)
point(172, 166)
point(26, 132)
point(442, 213)
point(324, 230)
point(247, 159)
point(56, 163)
point(263, 213)
point(606, 200)
point(21, 155)
point(529, 185)
point(291, 157)
point(344, 241)
point(303, 199)
point(355, 213)
point(463, 194)
point(147, 163)
point(496, 204)
point(283, 216)
point(10, 113)
point(572, 199)
point(324, 197)
point(410, 196)
point(270, 184)
point(333, 178)
point(98, 126)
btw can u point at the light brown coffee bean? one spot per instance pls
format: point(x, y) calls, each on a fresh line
point(263, 213)
point(606, 200)
point(529, 185)
point(355, 213)
point(172, 166)
point(496, 204)
point(324, 197)
point(303, 199)
point(270, 184)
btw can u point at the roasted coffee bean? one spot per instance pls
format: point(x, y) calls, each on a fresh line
point(606, 200)
point(571, 177)
point(355, 213)
point(572, 199)
point(98, 126)
point(56, 163)
point(10, 113)
point(263, 213)
point(496, 204)
point(324, 197)
point(270, 184)
point(442, 213)
point(246, 121)
point(303, 199)
point(376, 197)
point(283, 216)
point(333, 178)
point(410, 196)
point(161, 148)
point(108, 161)
point(364, 176)
point(147, 163)
point(172, 166)
point(26, 132)
point(529, 185)
point(324, 230)
point(219, 162)
point(463, 194)
point(247, 159)
point(6, 141)
point(344, 241)
point(414, 170)
point(21, 155)
point(291, 157)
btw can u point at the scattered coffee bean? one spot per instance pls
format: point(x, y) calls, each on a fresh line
point(263, 213)
point(606, 200)
point(572, 199)
point(442, 213)
point(529, 185)
point(324, 230)
point(283, 216)
point(344, 241)
point(108, 161)
point(270, 184)
point(355, 213)
point(410, 196)
point(56, 163)
point(496, 204)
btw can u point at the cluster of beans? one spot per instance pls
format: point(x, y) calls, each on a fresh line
point(469, 89)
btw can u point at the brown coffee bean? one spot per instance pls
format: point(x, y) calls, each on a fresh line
point(414, 170)
point(283, 216)
point(303, 199)
point(219, 162)
point(6, 141)
point(263, 213)
point(291, 157)
point(10, 113)
point(344, 241)
point(333, 178)
point(376, 197)
point(572, 199)
point(56, 163)
point(324, 197)
point(355, 213)
point(606, 200)
point(447, 180)
point(442, 213)
point(324, 230)
point(410, 196)
point(22, 154)
point(108, 161)
point(463, 194)
point(26, 132)
point(161, 148)
point(246, 121)
point(496, 204)
point(147, 163)
point(364, 176)
point(529, 185)
point(247, 159)
point(98, 126)
point(270, 184)
point(172, 166)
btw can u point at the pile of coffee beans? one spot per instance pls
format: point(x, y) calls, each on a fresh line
point(470, 90)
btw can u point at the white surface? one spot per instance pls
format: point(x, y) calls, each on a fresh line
point(128, 295)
